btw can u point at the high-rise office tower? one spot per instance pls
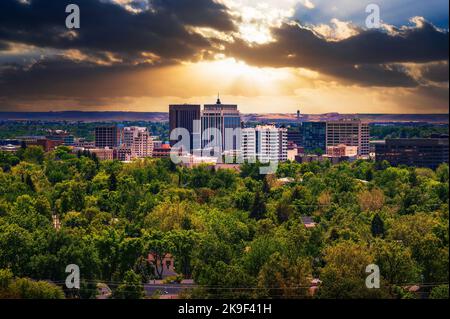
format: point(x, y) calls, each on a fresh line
point(352, 132)
point(264, 143)
point(314, 136)
point(107, 136)
point(185, 116)
point(223, 118)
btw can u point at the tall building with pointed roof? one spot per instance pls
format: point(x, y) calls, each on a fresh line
point(222, 117)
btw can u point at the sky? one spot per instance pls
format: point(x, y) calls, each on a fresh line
point(267, 56)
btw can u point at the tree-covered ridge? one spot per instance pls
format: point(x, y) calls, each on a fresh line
point(13, 129)
point(236, 234)
point(381, 132)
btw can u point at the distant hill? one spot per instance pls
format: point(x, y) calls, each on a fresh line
point(86, 116)
point(164, 117)
point(373, 118)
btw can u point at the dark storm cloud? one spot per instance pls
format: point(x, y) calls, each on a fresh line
point(4, 46)
point(373, 75)
point(436, 72)
point(368, 58)
point(60, 76)
point(109, 33)
point(202, 13)
point(159, 28)
point(106, 26)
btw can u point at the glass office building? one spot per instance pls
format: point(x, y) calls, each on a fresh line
point(417, 152)
point(184, 116)
point(107, 136)
point(314, 136)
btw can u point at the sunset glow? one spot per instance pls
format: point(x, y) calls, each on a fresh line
point(274, 56)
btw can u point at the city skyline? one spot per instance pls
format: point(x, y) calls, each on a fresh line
point(279, 56)
point(266, 153)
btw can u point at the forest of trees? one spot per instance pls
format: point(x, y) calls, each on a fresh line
point(237, 234)
point(381, 132)
point(13, 129)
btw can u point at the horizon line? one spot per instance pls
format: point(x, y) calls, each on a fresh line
point(155, 112)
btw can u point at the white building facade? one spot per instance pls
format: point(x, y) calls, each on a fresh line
point(265, 144)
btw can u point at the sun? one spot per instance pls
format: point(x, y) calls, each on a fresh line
point(230, 72)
